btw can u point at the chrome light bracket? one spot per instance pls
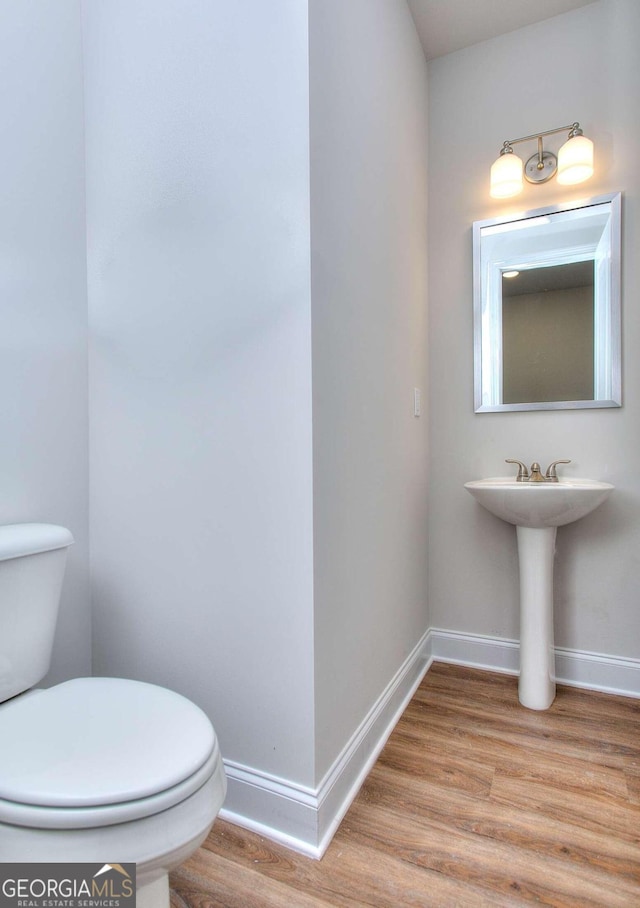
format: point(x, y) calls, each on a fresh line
point(540, 168)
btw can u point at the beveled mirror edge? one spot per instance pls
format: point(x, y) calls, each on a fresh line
point(550, 405)
point(615, 199)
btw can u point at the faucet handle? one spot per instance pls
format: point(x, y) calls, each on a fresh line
point(523, 473)
point(551, 475)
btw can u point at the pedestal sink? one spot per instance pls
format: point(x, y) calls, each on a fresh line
point(537, 509)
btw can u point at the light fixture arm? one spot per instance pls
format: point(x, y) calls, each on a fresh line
point(574, 130)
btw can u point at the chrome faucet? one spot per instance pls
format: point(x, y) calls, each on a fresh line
point(536, 475)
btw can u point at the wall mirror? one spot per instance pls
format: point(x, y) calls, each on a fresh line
point(546, 296)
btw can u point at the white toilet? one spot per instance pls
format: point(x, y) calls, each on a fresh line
point(93, 769)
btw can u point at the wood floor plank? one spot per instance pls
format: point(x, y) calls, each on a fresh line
point(351, 873)
point(631, 768)
point(485, 751)
point(527, 829)
point(460, 772)
point(599, 812)
point(537, 732)
point(499, 867)
point(571, 708)
point(474, 801)
point(577, 776)
point(214, 881)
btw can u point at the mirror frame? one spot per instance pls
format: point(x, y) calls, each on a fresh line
point(612, 314)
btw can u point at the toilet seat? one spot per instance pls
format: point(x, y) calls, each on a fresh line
point(100, 751)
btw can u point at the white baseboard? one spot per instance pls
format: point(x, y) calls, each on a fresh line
point(344, 779)
point(476, 651)
point(272, 807)
point(596, 671)
point(593, 671)
point(305, 819)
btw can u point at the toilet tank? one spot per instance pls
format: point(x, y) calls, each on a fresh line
point(32, 562)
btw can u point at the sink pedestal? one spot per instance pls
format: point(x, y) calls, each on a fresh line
point(536, 549)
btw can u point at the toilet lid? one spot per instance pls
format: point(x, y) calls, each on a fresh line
point(97, 741)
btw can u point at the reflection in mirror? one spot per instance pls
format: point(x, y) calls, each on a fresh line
point(547, 334)
point(547, 308)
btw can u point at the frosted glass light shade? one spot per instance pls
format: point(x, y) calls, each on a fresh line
point(506, 176)
point(575, 161)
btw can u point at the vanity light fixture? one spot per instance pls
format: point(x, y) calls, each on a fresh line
point(573, 164)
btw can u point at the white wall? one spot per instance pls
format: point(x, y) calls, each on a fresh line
point(201, 487)
point(207, 234)
point(368, 231)
point(43, 329)
point(581, 66)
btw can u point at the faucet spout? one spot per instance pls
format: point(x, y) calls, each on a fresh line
point(536, 475)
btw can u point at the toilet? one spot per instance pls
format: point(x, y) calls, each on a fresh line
point(93, 769)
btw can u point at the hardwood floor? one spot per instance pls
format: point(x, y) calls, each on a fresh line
point(474, 801)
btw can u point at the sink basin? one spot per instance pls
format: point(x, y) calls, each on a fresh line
point(537, 509)
point(539, 504)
